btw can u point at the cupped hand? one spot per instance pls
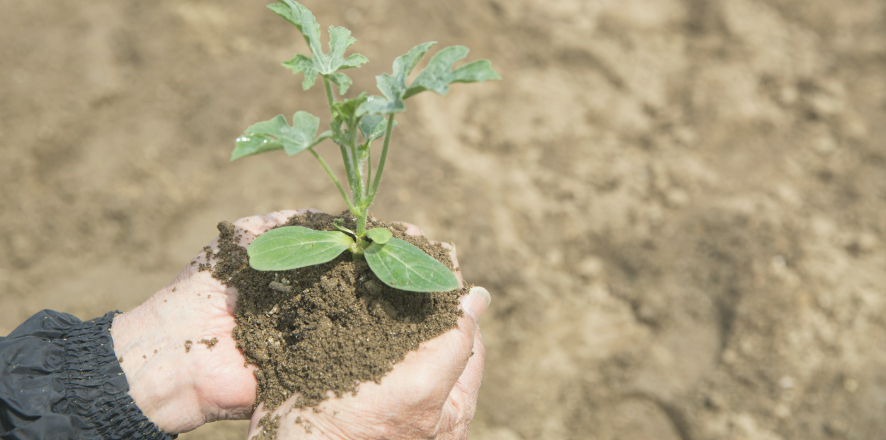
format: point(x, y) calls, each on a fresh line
point(177, 381)
point(432, 393)
point(180, 382)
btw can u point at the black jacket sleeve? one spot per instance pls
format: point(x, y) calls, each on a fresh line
point(60, 379)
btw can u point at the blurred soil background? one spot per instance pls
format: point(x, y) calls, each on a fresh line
point(679, 206)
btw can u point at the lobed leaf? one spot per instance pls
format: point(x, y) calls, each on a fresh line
point(438, 75)
point(341, 80)
point(394, 86)
point(276, 134)
point(292, 247)
point(326, 64)
point(305, 65)
point(404, 266)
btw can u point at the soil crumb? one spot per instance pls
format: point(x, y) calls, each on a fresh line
point(209, 342)
point(330, 327)
point(270, 426)
point(188, 344)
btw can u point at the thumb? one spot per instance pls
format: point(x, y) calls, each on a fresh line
point(476, 302)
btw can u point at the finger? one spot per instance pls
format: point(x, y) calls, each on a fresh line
point(459, 410)
point(464, 394)
point(454, 259)
point(254, 429)
point(258, 224)
point(425, 377)
point(248, 228)
point(438, 363)
point(410, 228)
point(476, 302)
point(460, 407)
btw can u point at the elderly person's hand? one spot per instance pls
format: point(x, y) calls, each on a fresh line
point(181, 383)
point(177, 381)
point(431, 394)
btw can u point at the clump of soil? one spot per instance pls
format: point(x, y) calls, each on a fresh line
point(209, 343)
point(328, 327)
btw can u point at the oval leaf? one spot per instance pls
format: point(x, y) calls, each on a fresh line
point(404, 266)
point(379, 235)
point(292, 247)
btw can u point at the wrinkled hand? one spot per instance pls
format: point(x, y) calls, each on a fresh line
point(431, 394)
point(180, 389)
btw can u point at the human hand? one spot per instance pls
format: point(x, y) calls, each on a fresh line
point(432, 393)
point(178, 388)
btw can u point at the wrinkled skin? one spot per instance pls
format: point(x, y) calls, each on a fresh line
point(432, 393)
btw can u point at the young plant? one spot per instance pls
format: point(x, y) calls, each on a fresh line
point(356, 123)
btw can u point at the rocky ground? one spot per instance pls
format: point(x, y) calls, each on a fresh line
point(679, 206)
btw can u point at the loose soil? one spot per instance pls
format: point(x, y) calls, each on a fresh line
point(678, 206)
point(322, 330)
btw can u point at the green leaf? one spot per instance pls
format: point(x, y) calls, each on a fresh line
point(251, 145)
point(276, 134)
point(322, 63)
point(340, 225)
point(394, 86)
point(438, 75)
point(342, 81)
point(379, 235)
point(373, 127)
point(344, 114)
point(292, 247)
point(303, 64)
point(404, 266)
point(346, 110)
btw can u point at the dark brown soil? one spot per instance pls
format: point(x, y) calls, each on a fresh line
point(329, 327)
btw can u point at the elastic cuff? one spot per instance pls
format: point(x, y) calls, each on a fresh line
point(96, 388)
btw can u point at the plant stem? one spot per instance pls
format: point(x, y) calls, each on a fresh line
point(329, 95)
point(359, 191)
point(347, 156)
point(368, 167)
point(381, 160)
point(334, 179)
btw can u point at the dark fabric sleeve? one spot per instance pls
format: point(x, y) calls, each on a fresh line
point(60, 379)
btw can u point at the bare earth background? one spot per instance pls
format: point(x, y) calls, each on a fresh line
point(679, 206)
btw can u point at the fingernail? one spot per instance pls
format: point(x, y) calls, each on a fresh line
point(476, 302)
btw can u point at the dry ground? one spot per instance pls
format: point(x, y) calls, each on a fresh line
point(679, 206)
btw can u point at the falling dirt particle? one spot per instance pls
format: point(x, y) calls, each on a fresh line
point(193, 263)
point(120, 359)
point(188, 344)
point(208, 296)
point(298, 420)
point(155, 351)
point(144, 357)
point(209, 342)
point(165, 300)
point(174, 289)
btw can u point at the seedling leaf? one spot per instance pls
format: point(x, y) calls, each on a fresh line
point(373, 127)
point(341, 80)
point(379, 235)
point(276, 134)
point(404, 266)
point(394, 86)
point(438, 75)
point(292, 247)
point(322, 63)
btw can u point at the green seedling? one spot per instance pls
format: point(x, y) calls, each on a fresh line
point(356, 123)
